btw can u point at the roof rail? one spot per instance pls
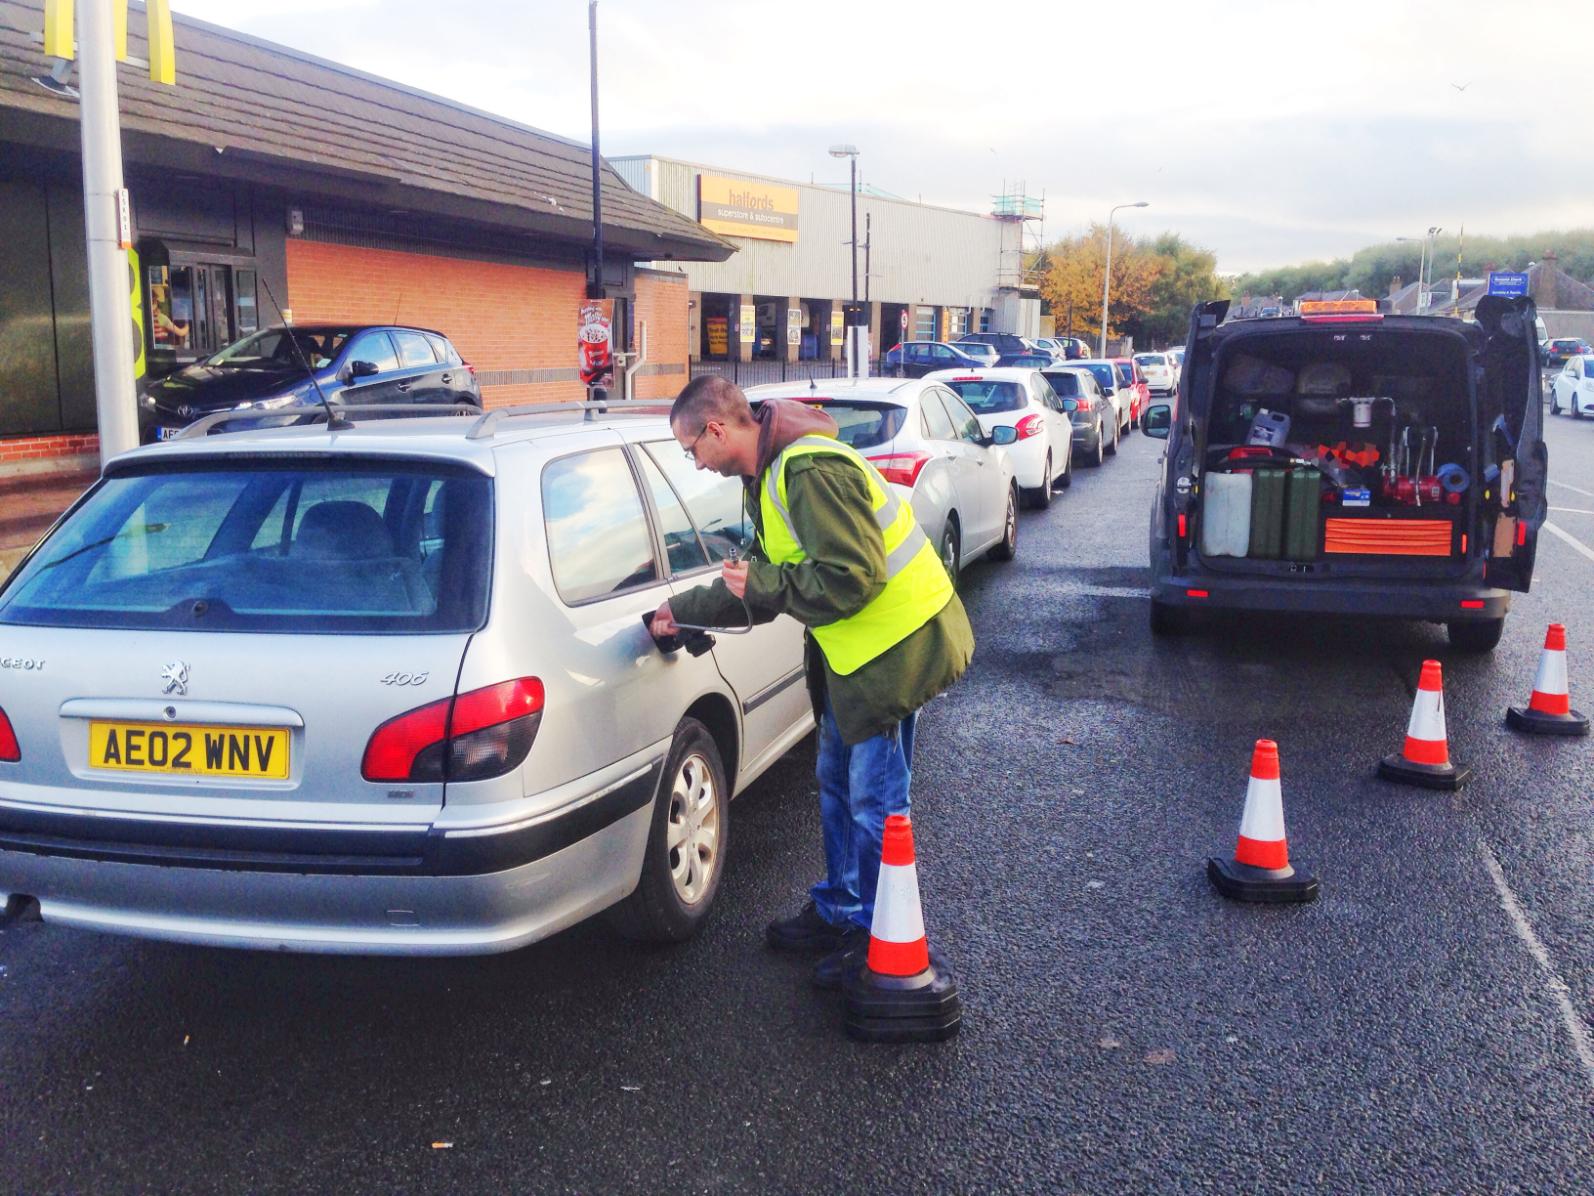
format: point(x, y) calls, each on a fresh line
point(304, 416)
point(487, 426)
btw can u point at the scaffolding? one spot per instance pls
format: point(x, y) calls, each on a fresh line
point(1023, 235)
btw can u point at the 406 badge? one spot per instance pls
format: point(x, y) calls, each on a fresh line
point(257, 753)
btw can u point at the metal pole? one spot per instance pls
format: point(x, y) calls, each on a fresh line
point(595, 287)
point(110, 322)
point(854, 236)
point(868, 241)
point(1106, 283)
point(1422, 266)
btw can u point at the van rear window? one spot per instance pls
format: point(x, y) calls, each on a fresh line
point(274, 544)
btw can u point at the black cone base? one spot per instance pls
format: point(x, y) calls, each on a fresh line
point(1277, 886)
point(1536, 722)
point(1430, 776)
point(922, 1008)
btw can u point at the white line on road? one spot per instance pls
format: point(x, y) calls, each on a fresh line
point(1573, 489)
point(1572, 510)
point(1570, 539)
point(1582, 1041)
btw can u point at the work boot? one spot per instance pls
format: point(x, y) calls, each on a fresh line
point(806, 930)
point(835, 969)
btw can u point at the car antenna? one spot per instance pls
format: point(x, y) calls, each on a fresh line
point(334, 420)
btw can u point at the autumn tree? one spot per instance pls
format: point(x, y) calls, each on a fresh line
point(1155, 282)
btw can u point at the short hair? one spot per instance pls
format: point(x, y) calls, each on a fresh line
point(710, 397)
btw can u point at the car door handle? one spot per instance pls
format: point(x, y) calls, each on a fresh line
point(448, 378)
point(405, 385)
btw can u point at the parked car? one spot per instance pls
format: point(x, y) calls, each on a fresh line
point(1093, 415)
point(915, 359)
point(926, 442)
point(1112, 388)
point(1074, 348)
point(387, 690)
point(985, 354)
point(1053, 346)
point(1563, 348)
point(1131, 380)
point(1573, 388)
point(1158, 372)
point(1025, 361)
point(270, 371)
point(1175, 358)
point(1001, 342)
point(1043, 458)
point(1343, 541)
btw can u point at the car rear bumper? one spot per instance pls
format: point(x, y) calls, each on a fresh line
point(1429, 600)
point(440, 894)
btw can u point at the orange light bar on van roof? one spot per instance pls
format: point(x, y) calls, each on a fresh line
point(1340, 309)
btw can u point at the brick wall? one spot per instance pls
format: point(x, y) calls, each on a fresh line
point(36, 448)
point(661, 302)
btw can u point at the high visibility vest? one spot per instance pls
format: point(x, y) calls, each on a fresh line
point(917, 585)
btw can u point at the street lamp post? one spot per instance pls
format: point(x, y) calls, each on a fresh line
point(1422, 289)
point(851, 152)
point(1106, 275)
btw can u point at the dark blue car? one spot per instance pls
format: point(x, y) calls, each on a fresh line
point(270, 371)
point(915, 359)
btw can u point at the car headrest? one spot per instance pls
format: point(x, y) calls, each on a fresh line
point(342, 531)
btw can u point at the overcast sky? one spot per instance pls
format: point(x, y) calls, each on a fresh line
point(1269, 131)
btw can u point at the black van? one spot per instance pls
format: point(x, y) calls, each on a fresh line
point(1344, 461)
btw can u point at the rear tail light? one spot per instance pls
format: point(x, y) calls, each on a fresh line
point(901, 468)
point(1198, 593)
point(969, 378)
point(483, 733)
point(1472, 604)
point(1030, 425)
point(469, 367)
point(1086, 403)
point(9, 751)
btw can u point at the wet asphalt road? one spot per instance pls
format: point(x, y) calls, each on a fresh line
point(1418, 1029)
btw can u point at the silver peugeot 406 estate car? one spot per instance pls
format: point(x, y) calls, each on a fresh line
point(383, 688)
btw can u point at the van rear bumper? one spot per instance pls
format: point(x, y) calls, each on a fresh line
point(1433, 601)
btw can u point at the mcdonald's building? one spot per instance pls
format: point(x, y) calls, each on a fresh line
point(270, 186)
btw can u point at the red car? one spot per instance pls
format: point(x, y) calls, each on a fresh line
point(1129, 375)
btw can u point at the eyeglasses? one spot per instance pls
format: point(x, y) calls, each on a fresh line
point(691, 449)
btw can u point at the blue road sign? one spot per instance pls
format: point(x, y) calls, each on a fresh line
point(1511, 284)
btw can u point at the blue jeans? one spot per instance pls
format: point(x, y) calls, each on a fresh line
point(859, 785)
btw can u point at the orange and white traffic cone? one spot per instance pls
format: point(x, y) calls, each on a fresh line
point(904, 992)
point(1425, 759)
point(1260, 870)
point(1549, 711)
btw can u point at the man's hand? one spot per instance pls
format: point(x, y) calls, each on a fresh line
point(734, 574)
point(663, 625)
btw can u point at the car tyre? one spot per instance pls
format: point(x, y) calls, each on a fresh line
point(1577, 408)
point(1555, 402)
point(1067, 478)
point(1040, 497)
point(1112, 449)
point(1099, 453)
point(950, 551)
point(1007, 547)
point(1168, 620)
point(1475, 635)
point(679, 879)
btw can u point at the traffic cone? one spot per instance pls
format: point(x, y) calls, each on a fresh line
point(1425, 760)
point(904, 992)
point(1260, 870)
point(1549, 710)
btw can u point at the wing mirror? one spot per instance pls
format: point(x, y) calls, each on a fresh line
point(1070, 405)
point(1003, 434)
point(1157, 420)
point(362, 369)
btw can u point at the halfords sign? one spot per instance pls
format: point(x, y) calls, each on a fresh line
point(739, 208)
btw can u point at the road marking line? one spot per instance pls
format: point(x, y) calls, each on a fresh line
point(1574, 489)
point(1572, 510)
point(1582, 1041)
point(1570, 539)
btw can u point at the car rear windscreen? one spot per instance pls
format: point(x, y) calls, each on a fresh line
point(1064, 382)
point(987, 397)
point(1126, 373)
point(1105, 375)
point(269, 544)
point(865, 425)
point(1152, 359)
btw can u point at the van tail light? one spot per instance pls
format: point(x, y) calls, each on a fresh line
point(901, 468)
point(9, 751)
point(483, 733)
point(1183, 526)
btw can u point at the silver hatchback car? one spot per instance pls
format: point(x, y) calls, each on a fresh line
point(383, 689)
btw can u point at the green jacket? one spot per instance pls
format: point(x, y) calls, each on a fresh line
point(844, 570)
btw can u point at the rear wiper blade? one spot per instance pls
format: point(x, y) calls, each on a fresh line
point(148, 529)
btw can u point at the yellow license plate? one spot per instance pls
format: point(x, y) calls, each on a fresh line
point(181, 750)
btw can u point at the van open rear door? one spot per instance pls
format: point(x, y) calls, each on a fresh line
point(1511, 413)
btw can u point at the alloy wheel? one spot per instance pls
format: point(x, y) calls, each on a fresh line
point(693, 829)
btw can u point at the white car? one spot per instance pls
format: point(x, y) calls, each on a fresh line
point(928, 445)
point(1573, 388)
point(1043, 457)
point(1176, 359)
point(1161, 377)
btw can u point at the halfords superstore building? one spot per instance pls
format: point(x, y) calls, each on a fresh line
point(933, 273)
point(265, 172)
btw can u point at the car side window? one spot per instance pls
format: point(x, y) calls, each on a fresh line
point(375, 347)
point(413, 349)
point(968, 427)
point(446, 353)
point(681, 546)
point(598, 542)
point(937, 423)
point(942, 353)
point(713, 502)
